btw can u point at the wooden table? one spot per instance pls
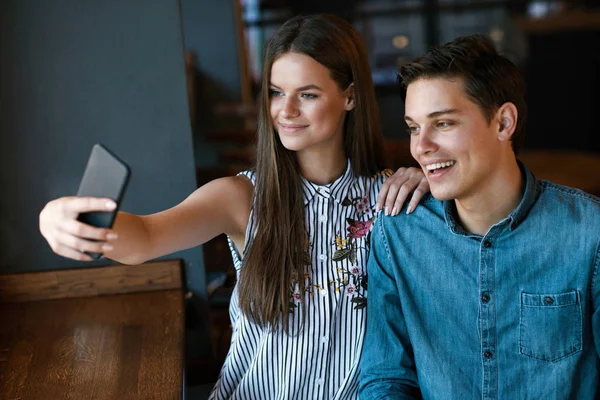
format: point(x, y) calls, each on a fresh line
point(115, 332)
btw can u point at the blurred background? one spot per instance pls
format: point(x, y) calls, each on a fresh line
point(556, 43)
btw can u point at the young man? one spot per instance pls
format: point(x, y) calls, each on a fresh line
point(491, 288)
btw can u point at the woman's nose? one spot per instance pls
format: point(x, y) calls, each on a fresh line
point(290, 108)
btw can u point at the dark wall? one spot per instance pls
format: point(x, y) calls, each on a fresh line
point(210, 32)
point(563, 79)
point(74, 73)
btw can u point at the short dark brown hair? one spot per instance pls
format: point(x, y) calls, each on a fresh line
point(490, 79)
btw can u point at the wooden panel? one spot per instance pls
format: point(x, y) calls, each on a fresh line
point(128, 346)
point(84, 282)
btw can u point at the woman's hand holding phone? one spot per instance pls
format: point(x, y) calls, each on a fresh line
point(71, 238)
point(80, 227)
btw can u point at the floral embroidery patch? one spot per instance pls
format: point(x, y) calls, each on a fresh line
point(353, 280)
point(296, 295)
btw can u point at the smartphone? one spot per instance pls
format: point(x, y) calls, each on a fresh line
point(105, 175)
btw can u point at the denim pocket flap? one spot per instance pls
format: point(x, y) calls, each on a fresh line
point(551, 325)
point(550, 300)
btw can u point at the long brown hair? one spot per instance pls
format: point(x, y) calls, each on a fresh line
point(277, 254)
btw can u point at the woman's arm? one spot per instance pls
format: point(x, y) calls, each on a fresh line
point(220, 206)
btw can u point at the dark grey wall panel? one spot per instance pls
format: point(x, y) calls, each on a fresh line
point(209, 31)
point(73, 73)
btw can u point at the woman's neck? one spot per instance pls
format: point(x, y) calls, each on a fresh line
point(322, 169)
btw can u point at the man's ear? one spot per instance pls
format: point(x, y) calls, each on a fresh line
point(349, 98)
point(507, 117)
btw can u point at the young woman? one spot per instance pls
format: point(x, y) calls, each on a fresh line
point(298, 224)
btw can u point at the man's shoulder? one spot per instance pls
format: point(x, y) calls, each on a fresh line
point(568, 191)
point(428, 213)
point(428, 207)
point(566, 195)
point(570, 203)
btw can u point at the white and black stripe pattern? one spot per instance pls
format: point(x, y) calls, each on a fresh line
point(320, 360)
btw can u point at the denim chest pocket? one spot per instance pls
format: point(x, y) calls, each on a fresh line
point(551, 325)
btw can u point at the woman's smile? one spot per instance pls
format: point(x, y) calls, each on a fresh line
point(290, 128)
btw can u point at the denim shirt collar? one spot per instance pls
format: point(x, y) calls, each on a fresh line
point(337, 189)
point(530, 195)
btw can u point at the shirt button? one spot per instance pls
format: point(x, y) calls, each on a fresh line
point(324, 339)
point(322, 257)
point(322, 218)
point(319, 381)
point(487, 244)
point(548, 300)
point(487, 354)
point(485, 298)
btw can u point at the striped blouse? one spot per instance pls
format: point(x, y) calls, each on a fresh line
point(319, 361)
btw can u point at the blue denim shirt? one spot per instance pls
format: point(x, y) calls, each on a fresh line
point(511, 315)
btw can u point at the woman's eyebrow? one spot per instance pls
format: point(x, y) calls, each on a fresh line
point(302, 88)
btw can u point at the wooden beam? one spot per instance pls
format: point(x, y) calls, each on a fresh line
point(85, 282)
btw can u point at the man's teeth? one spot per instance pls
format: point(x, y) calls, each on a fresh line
point(432, 167)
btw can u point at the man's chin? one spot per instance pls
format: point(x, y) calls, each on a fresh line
point(441, 194)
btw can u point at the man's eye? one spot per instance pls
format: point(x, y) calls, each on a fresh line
point(309, 96)
point(275, 93)
point(444, 124)
point(413, 130)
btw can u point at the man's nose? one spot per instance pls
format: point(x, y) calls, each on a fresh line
point(424, 142)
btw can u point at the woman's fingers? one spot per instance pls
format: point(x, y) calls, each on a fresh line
point(390, 189)
point(382, 195)
point(395, 203)
point(397, 188)
point(68, 252)
point(86, 231)
point(79, 244)
point(66, 235)
point(74, 206)
point(418, 194)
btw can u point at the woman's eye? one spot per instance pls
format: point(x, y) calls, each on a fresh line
point(444, 124)
point(309, 96)
point(275, 93)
